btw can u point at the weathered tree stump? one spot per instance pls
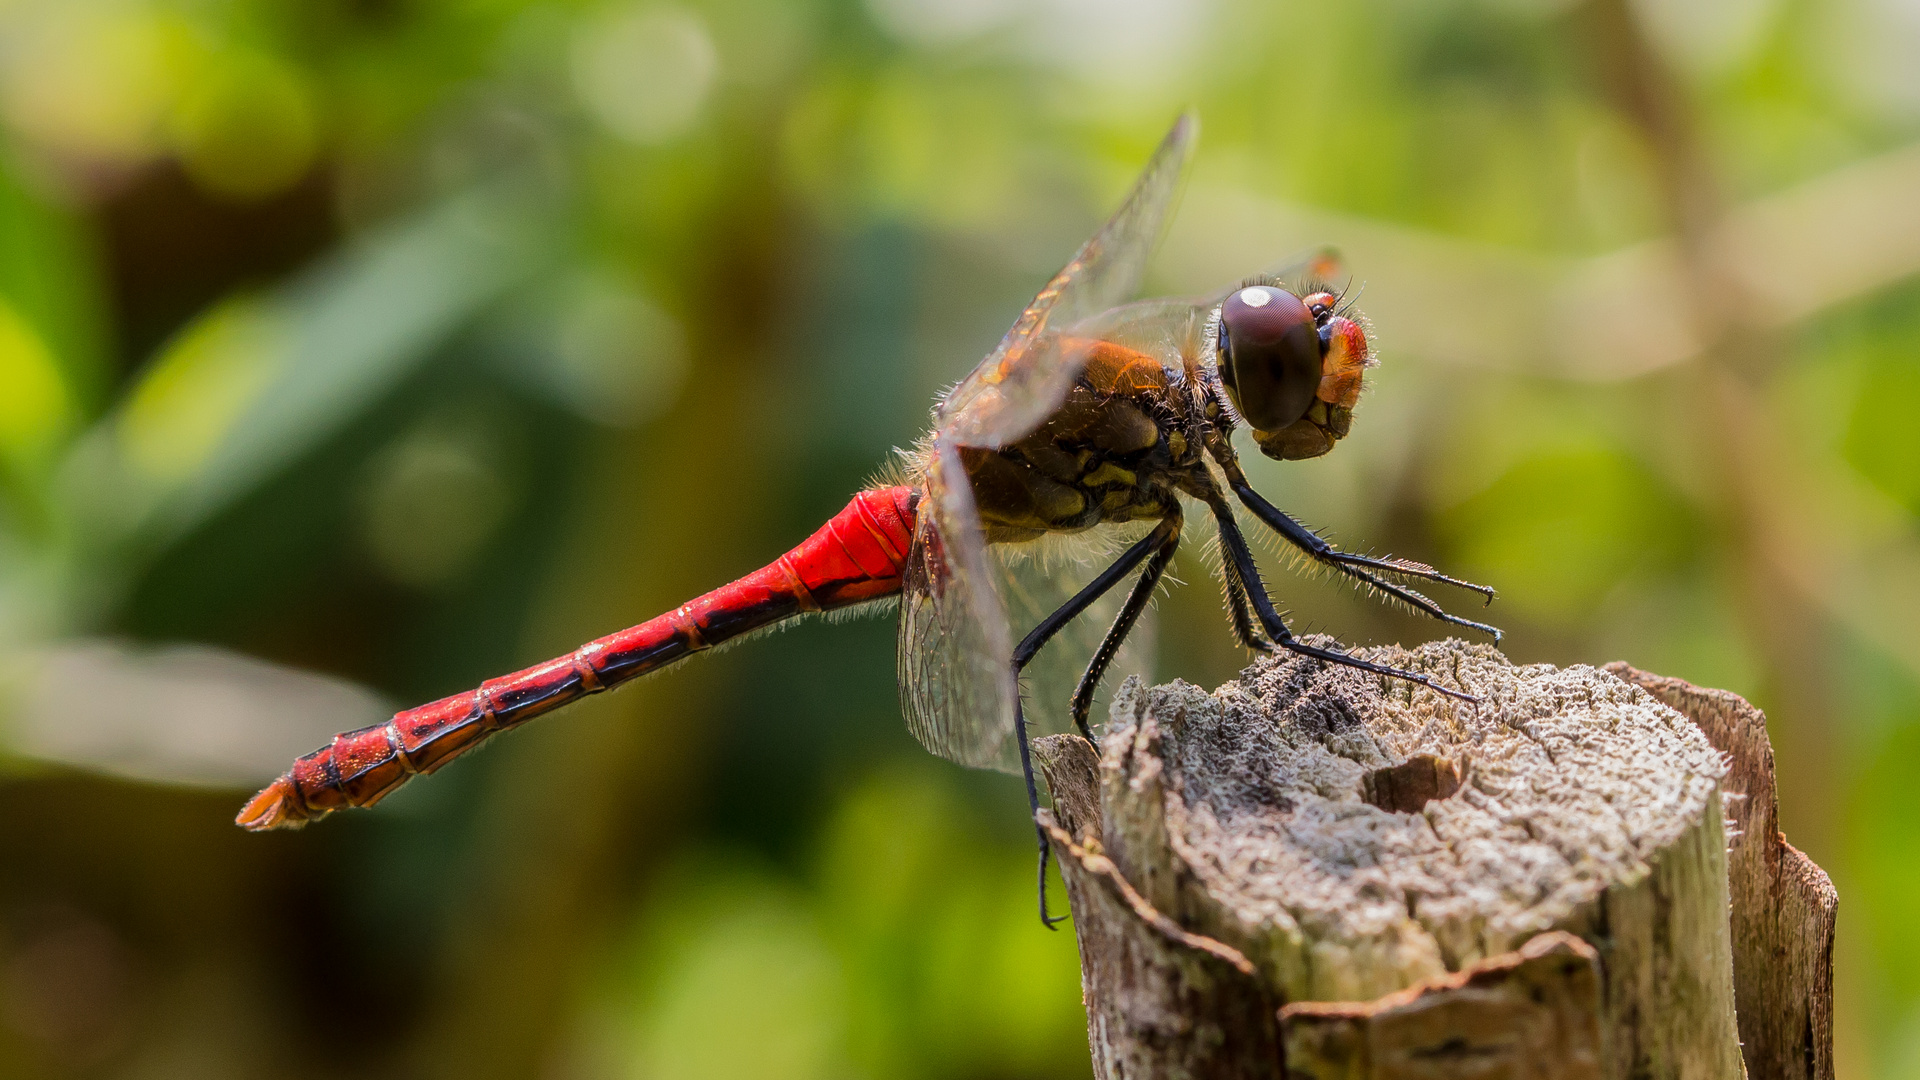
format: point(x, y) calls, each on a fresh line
point(1312, 872)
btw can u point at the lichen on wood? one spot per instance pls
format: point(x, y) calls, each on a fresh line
point(1345, 838)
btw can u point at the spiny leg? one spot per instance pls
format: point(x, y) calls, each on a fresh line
point(1235, 547)
point(1033, 803)
point(1137, 602)
point(1237, 608)
point(1356, 566)
point(1031, 645)
point(1307, 540)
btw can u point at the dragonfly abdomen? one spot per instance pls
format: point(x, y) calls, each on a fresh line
point(855, 557)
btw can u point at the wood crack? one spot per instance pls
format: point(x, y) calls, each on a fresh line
point(1301, 819)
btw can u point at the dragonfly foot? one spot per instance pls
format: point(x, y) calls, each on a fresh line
point(1047, 920)
point(1334, 656)
point(1493, 632)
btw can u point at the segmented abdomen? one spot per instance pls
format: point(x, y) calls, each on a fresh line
point(856, 556)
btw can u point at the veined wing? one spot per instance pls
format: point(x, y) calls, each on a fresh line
point(1034, 580)
point(955, 644)
point(1172, 330)
point(1025, 378)
point(955, 648)
point(964, 604)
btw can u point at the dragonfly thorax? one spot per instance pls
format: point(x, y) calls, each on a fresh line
point(1120, 448)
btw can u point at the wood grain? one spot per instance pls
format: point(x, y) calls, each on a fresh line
point(1534, 886)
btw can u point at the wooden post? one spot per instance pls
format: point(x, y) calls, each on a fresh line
point(1314, 873)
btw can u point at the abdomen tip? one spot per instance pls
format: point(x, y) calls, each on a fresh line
point(277, 806)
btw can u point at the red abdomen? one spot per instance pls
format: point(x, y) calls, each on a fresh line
point(855, 557)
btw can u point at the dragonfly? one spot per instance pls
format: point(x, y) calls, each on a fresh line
point(1093, 413)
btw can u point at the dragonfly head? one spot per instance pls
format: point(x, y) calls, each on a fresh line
point(1292, 367)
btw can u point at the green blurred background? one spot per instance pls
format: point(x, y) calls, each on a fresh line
point(353, 351)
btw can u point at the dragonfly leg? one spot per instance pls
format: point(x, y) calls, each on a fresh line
point(1033, 805)
point(1238, 610)
point(1360, 567)
point(1235, 547)
point(1030, 647)
point(1137, 601)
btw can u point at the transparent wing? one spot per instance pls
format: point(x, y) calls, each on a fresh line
point(956, 643)
point(955, 649)
point(965, 603)
point(1027, 375)
point(1172, 330)
point(1035, 579)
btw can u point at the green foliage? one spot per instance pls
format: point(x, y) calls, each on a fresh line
point(902, 952)
point(412, 342)
point(1566, 525)
point(1882, 440)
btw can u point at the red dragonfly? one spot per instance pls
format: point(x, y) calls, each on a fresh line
point(1091, 413)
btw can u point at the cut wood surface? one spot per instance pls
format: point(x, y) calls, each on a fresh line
point(1373, 880)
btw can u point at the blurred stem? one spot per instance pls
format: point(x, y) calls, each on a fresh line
point(1737, 442)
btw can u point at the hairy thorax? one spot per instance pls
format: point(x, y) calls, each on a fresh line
point(1120, 447)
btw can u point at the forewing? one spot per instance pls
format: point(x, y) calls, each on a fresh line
point(956, 644)
point(1172, 330)
point(955, 653)
point(1025, 378)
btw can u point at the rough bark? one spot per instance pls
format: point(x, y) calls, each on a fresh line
point(1535, 886)
point(1783, 905)
point(1172, 1003)
point(1531, 1013)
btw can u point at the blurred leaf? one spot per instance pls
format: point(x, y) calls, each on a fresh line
point(1883, 435)
point(48, 274)
point(254, 386)
point(247, 128)
point(92, 80)
point(1562, 526)
point(945, 959)
point(188, 401)
point(1001, 993)
point(36, 407)
point(735, 981)
point(1885, 855)
point(916, 953)
point(176, 714)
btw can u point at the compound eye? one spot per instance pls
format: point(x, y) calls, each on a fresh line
point(1269, 355)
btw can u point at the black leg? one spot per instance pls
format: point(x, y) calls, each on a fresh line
point(1237, 609)
point(1235, 547)
point(1137, 602)
point(1031, 644)
point(1033, 804)
point(1041, 634)
point(1358, 566)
